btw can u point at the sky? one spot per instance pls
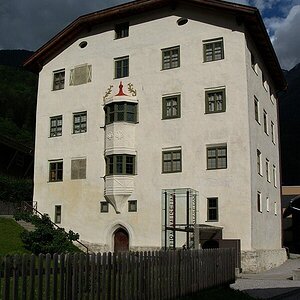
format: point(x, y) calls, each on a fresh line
point(28, 24)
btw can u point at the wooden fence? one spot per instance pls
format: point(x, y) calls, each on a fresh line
point(125, 276)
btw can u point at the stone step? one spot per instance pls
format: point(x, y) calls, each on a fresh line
point(26, 225)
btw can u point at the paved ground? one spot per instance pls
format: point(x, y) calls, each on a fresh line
point(273, 284)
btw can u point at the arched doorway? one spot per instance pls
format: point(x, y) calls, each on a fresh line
point(121, 240)
point(210, 244)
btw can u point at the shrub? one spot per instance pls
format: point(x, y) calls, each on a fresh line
point(46, 238)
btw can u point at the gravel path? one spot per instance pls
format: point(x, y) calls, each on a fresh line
point(273, 284)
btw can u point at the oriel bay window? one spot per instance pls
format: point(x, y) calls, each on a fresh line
point(120, 111)
point(120, 164)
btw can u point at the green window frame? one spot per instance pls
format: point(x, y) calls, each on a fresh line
point(132, 205)
point(121, 30)
point(120, 111)
point(122, 67)
point(217, 157)
point(256, 110)
point(58, 80)
point(215, 101)
point(171, 161)
point(56, 126)
point(171, 107)
point(213, 50)
point(57, 215)
point(55, 171)
point(120, 164)
point(170, 58)
point(104, 207)
point(212, 209)
point(80, 122)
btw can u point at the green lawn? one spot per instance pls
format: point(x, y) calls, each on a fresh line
point(10, 242)
point(219, 294)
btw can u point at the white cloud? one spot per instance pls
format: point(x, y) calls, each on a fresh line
point(286, 37)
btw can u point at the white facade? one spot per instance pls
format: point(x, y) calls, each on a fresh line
point(236, 186)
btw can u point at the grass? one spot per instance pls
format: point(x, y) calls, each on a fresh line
point(219, 294)
point(10, 242)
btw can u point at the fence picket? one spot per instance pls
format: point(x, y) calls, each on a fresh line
point(40, 276)
point(47, 276)
point(62, 277)
point(55, 272)
point(24, 277)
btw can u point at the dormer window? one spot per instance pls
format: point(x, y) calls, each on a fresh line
point(121, 30)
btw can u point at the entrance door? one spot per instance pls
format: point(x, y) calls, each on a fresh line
point(121, 240)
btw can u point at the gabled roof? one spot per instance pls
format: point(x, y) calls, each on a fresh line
point(248, 15)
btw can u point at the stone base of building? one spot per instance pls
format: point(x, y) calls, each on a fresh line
point(257, 261)
point(96, 248)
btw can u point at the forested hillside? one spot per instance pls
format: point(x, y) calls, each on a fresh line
point(18, 89)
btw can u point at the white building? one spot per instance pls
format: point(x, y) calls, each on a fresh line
point(196, 111)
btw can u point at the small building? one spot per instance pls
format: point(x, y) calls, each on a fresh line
point(158, 116)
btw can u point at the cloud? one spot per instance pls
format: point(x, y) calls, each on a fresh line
point(286, 37)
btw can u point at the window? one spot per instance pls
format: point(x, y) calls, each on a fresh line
point(266, 122)
point(215, 101)
point(256, 110)
point(56, 126)
point(274, 176)
point(268, 170)
point(171, 107)
point(170, 58)
point(120, 111)
point(121, 30)
point(259, 204)
point(275, 208)
point(103, 207)
point(122, 67)
point(212, 209)
point(263, 79)
point(79, 122)
point(57, 217)
point(268, 204)
point(171, 161)
point(58, 80)
point(213, 50)
point(258, 160)
point(81, 74)
point(78, 168)
point(217, 157)
point(120, 164)
point(132, 205)
point(55, 171)
point(253, 62)
point(273, 132)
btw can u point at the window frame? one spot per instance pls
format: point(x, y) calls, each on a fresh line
point(274, 171)
point(82, 129)
point(57, 170)
point(132, 205)
point(273, 132)
point(215, 91)
point(165, 99)
point(124, 70)
point(61, 79)
point(256, 110)
point(81, 171)
point(213, 42)
point(217, 157)
point(268, 175)
point(259, 162)
point(172, 60)
point(112, 164)
point(213, 208)
point(115, 112)
point(54, 132)
point(104, 207)
point(172, 160)
point(259, 202)
point(121, 30)
point(57, 214)
point(265, 122)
